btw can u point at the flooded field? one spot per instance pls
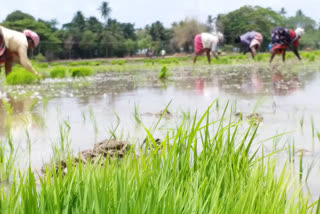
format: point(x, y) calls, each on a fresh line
point(284, 99)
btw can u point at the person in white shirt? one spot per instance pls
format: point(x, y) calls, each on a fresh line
point(207, 42)
point(14, 46)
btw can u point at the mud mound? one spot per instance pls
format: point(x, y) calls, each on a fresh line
point(102, 150)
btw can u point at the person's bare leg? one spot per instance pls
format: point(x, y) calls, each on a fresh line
point(195, 58)
point(284, 55)
point(208, 56)
point(8, 67)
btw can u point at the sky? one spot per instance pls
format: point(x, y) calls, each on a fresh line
point(143, 12)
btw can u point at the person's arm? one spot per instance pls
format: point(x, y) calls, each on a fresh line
point(214, 49)
point(253, 52)
point(295, 51)
point(215, 54)
point(273, 53)
point(24, 60)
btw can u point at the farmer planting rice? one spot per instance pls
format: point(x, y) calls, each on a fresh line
point(251, 40)
point(282, 38)
point(207, 42)
point(14, 46)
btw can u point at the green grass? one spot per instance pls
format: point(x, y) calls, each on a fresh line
point(21, 76)
point(226, 176)
point(81, 71)
point(58, 72)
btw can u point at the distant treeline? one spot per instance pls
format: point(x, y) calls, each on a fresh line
point(87, 37)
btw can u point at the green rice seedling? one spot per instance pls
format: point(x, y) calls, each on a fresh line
point(45, 102)
point(301, 167)
point(21, 76)
point(318, 135)
point(61, 149)
point(33, 104)
point(118, 62)
point(94, 121)
point(136, 114)
point(175, 176)
point(41, 65)
point(81, 71)
point(301, 122)
point(113, 130)
point(164, 73)
point(6, 161)
point(312, 127)
point(8, 107)
point(58, 72)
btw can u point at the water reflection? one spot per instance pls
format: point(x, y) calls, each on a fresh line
point(17, 115)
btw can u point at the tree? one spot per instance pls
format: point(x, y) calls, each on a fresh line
point(93, 24)
point(283, 11)
point(210, 21)
point(105, 10)
point(78, 21)
point(18, 15)
point(88, 42)
point(144, 40)
point(185, 31)
point(48, 40)
point(301, 20)
point(130, 46)
point(157, 31)
point(249, 18)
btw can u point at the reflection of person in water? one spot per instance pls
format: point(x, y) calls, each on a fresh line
point(254, 83)
point(284, 85)
point(199, 85)
point(20, 110)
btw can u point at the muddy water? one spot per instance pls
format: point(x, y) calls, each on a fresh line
point(286, 98)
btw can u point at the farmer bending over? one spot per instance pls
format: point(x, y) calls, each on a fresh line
point(282, 38)
point(207, 42)
point(251, 40)
point(14, 46)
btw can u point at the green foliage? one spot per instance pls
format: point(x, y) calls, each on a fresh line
point(18, 15)
point(40, 58)
point(84, 63)
point(185, 31)
point(118, 62)
point(21, 76)
point(249, 18)
point(41, 65)
point(164, 73)
point(6, 161)
point(58, 72)
point(81, 71)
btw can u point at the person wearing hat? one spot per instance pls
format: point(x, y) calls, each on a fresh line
point(283, 38)
point(14, 46)
point(207, 42)
point(251, 40)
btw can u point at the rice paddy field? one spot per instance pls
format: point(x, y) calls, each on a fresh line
point(236, 136)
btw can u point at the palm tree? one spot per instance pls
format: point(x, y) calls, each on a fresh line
point(105, 10)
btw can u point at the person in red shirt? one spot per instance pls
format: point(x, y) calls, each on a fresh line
point(283, 38)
